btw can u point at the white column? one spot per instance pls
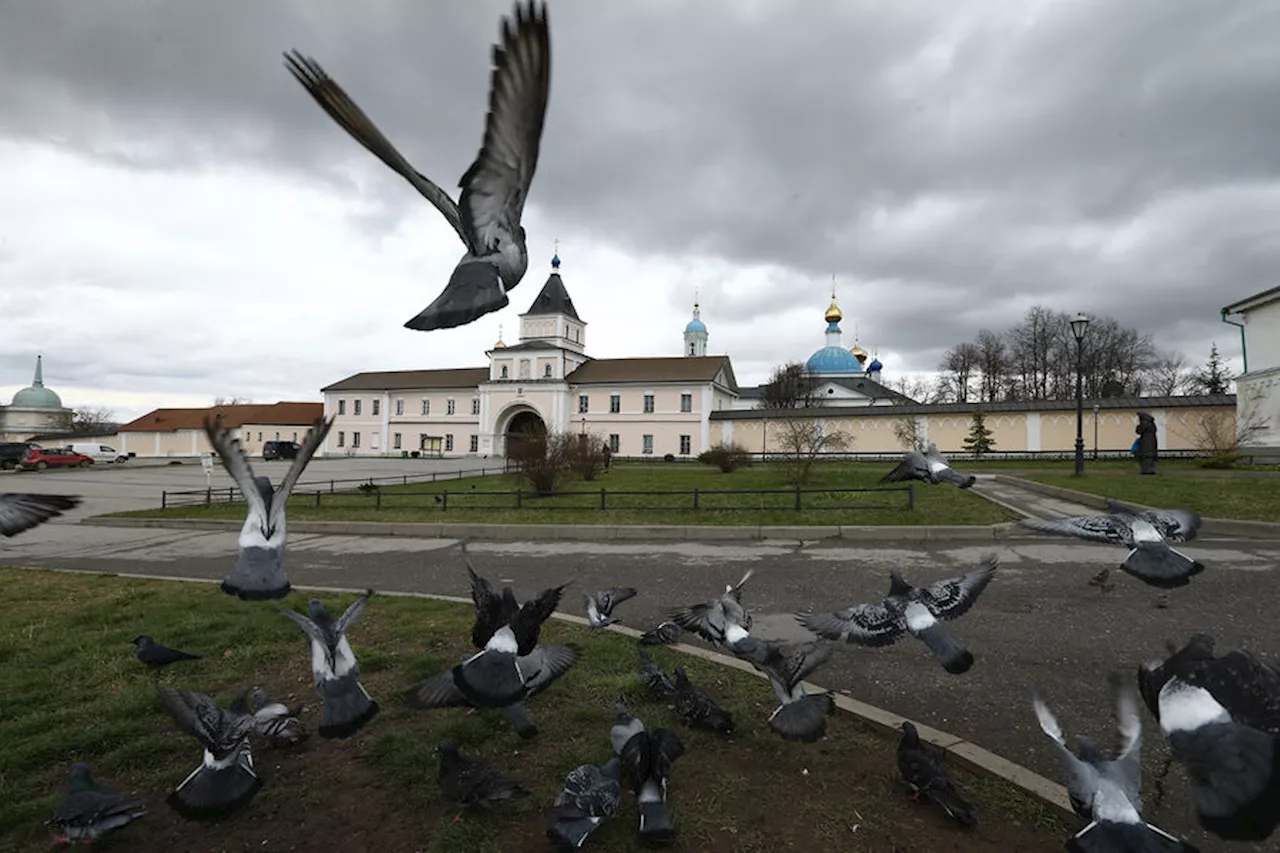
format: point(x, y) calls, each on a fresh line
point(1033, 431)
point(704, 417)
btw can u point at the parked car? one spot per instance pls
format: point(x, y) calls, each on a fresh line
point(99, 452)
point(280, 449)
point(11, 453)
point(40, 458)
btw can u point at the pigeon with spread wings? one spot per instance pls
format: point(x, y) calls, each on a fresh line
point(346, 706)
point(910, 610)
point(258, 574)
point(225, 779)
point(495, 187)
point(21, 511)
point(711, 620)
point(930, 467)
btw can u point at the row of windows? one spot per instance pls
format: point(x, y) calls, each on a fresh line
point(615, 403)
point(646, 444)
point(397, 442)
point(375, 407)
point(277, 438)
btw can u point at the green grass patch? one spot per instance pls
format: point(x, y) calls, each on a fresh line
point(1246, 498)
point(70, 690)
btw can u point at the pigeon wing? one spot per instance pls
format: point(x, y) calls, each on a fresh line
point(804, 661)
point(950, 598)
point(321, 655)
point(1082, 779)
point(495, 187)
point(706, 619)
point(491, 608)
point(1176, 525)
point(195, 713)
point(438, 691)
point(1247, 687)
point(352, 614)
point(1096, 528)
point(19, 512)
point(237, 465)
point(611, 598)
point(314, 438)
point(545, 665)
point(912, 467)
point(1128, 760)
point(877, 624)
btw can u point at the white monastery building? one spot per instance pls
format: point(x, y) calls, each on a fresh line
point(1258, 387)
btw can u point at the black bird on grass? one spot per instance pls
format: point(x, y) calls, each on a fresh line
point(89, 810)
point(928, 467)
point(927, 777)
point(156, 656)
point(470, 782)
point(21, 511)
point(696, 707)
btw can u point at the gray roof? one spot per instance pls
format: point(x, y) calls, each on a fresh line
point(553, 299)
point(861, 384)
point(524, 346)
point(1255, 301)
point(1141, 403)
point(390, 380)
point(666, 369)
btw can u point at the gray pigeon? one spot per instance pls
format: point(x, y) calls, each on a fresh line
point(910, 610)
point(928, 467)
point(225, 780)
point(89, 811)
point(346, 706)
point(590, 795)
point(494, 189)
point(258, 574)
point(665, 634)
point(652, 677)
point(21, 511)
point(927, 777)
point(1108, 793)
point(696, 707)
point(800, 716)
point(155, 655)
point(1220, 717)
point(471, 782)
point(601, 603)
point(273, 721)
point(711, 619)
point(1150, 559)
point(647, 758)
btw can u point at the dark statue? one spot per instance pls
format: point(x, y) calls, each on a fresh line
point(1148, 447)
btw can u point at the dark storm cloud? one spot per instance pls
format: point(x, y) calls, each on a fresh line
point(968, 157)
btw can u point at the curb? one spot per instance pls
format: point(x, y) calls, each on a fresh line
point(597, 532)
point(970, 755)
point(1219, 526)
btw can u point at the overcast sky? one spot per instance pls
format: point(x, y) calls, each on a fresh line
point(179, 220)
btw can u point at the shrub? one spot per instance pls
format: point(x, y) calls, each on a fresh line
point(1222, 460)
point(669, 457)
point(726, 457)
point(542, 458)
point(415, 454)
point(588, 457)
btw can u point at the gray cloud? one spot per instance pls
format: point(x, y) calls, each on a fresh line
point(965, 159)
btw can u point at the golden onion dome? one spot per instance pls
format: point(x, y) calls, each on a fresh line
point(858, 352)
point(833, 314)
point(499, 345)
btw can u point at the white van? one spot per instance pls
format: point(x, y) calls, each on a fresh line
point(100, 452)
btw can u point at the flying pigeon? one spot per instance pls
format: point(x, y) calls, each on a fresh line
point(346, 706)
point(1108, 793)
point(928, 467)
point(600, 605)
point(928, 778)
point(89, 810)
point(495, 187)
point(911, 610)
point(273, 721)
point(1150, 559)
point(155, 655)
point(696, 707)
point(800, 716)
point(665, 634)
point(258, 573)
point(710, 619)
point(590, 795)
point(225, 780)
point(647, 757)
point(1221, 719)
point(471, 782)
point(652, 677)
point(21, 511)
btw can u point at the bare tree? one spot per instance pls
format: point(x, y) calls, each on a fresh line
point(917, 389)
point(1168, 375)
point(790, 387)
point(992, 366)
point(908, 431)
point(543, 458)
point(1031, 349)
point(958, 366)
point(588, 457)
point(805, 439)
point(232, 401)
point(1219, 433)
point(89, 419)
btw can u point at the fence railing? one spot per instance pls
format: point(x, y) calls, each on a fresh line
point(952, 456)
point(603, 499)
point(188, 497)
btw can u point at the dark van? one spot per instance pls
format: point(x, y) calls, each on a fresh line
point(280, 449)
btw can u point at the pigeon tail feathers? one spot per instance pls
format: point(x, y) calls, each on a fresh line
point(474, 290)
point(346, 707)
point(1158, 565)
point(805, 719)
point(518, 716)
point(570, 833)
point(490, 680)
point(211, 792)
point(257, 576)
point(955, 658)
point(1108, 837)
point(656, 825)
point(953, 804)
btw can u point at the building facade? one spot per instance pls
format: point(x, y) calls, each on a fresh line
point(1258, 388)
point(35, 410)
point(180, 432)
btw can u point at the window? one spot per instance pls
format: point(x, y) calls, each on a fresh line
point(342, 438)
point(342, 407)
point(524, 368)
point(690, 349)
point(614, 443)
point(355, 439)
point(582, 404)
point(426, 406)
point(686, 445)
point(546, 371)
point(295, 436)
point(475, 405)
point(400, 406)
point(475, 444)
point(395, 441)
point(646, 444)
point(648, 404)
point(259, 436)
point(504, 371)
point(373, 440)
point(449, 407)
point(448, 442)
point(615, 403)
point(355, 408)
point(375, 407)
point(686, 402)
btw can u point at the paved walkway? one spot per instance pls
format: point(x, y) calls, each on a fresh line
point(1029, 503)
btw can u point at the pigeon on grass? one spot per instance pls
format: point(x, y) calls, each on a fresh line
point(156, 656)
point(664, 634)
point(470, 782)
point(652, 677)
point(274, 722)
point(591, 793)
point(647, 757)
point(910, 610)
point(711, 619)
point(928, 467)
point(1108, 792)
point(495, 187)
point(800, 715)
point(346, 706)
point(89, 811)
point(1221, 719)
point(696, 707)
point(600, 605)
point(258, 573)
point(21, 511)
point(928, 777)
point(225, 780)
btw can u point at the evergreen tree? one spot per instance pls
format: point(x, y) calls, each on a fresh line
point(979, 440)
point(1213, 378)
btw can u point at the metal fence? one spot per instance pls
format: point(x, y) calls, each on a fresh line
point(952, 456)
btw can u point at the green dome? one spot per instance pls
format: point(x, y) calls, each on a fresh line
point(37, 397)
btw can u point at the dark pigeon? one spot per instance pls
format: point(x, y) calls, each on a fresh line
point(590, 795)
point(225, 780)
point(711, 619)
point(664, 634)
point(928, 467)
point(928, 778)
point(258, 574)
point(652, 677)
point(156, 656)
point(800, 715)
point(89, 811)
point(346, 706)
point(473, 783)
point(274, 722)
point(21, 511)
point(910, 610)
point(696, 707)
point(647, 757)
point(600, 605)
point(495, 187)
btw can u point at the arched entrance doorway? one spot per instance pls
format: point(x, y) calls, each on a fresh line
point(523, 425)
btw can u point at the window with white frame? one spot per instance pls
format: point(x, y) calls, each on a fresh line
point(686, 402)
point(448, 442)
point(583, 404)
point(355, 407)
point(686, 445)
point(475, 444)
point(614, 442)
point(475, 405)
point(400, 406)
point(426, 406)
point(375, 407)
point(342, 407)
point(449, 407)
point(395, 441)
point(646, 444)
point(342, 438)
point(615, 403)
point(648, 404)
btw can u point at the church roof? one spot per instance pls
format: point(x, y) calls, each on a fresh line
point(383, 380)
point(37, 396)
point(171, 420)
point(667, 369)
point(553, 299)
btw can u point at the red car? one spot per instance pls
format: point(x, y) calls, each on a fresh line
point(40, 458)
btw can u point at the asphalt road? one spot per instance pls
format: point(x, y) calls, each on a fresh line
point(1038, 623)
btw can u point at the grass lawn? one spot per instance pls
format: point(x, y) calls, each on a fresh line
point(70, 690)
point(466, 502)
point(1248, 498)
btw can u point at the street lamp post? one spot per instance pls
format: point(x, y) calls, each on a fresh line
point(1078, 327)
point(1096, 409)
